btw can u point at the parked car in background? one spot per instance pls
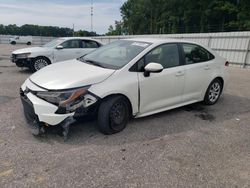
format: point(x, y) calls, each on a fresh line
point(21, 40)
point(60, 49)
point(132, 77)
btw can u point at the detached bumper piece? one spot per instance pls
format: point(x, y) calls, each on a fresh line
point(34, 125)
point(65, 125)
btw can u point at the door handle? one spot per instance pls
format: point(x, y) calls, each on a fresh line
point(179, 73)
point(207, 67)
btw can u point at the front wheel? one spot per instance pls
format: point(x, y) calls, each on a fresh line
point(39, 63)
point(213, 92)
point(28, 43)
point(113, 115)
point(13, 42)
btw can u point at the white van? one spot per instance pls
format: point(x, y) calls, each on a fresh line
point(21, 40)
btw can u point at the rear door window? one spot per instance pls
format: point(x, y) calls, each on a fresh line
point(71, 44)
point(89, 44)
point(196, 54)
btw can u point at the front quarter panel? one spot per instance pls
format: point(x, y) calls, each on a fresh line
point(121, 82)
point(48, 54)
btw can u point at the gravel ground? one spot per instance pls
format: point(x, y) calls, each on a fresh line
point(192, 146)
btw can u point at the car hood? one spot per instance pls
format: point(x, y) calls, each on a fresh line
point(69, 74)
point(30, 50)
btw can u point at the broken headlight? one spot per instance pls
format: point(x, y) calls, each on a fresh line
point(69, 100)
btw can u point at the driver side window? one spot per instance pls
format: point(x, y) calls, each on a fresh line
point(167, 55)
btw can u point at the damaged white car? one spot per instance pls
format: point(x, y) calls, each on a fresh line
point(57, 50)
point(126, 78)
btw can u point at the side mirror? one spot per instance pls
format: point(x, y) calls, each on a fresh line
point(152, 67)
point(59, 47)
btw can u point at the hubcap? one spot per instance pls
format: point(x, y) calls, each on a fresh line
point(117, 115)
point(40, 63)
point(214, 92)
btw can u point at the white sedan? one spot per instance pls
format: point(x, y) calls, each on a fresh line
point(60, 49)
point(133, 77)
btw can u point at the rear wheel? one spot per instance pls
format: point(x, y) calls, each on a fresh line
point(28, 43)
point(39, 63)
point(213, 92)
point(113, 115)
point(13, 42)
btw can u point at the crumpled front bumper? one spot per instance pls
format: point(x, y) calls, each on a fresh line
point(25, 62)
point(37, 110)
point(44, 111)
point(31, 117)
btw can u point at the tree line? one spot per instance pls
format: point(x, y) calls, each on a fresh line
point(182, 16)
point(36, 30)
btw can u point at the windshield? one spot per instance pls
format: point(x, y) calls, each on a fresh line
point(53, 43)
point(116, 54)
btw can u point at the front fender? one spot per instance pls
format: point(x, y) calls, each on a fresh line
point(122, 84)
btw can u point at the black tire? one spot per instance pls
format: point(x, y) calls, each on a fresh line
point(13, 42)
point(35, 63)
point(28, 43)
point(113, 115)
point(213, 92)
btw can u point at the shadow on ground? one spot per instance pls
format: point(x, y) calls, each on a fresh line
point(179, 120)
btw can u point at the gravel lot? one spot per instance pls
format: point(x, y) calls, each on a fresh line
point(192, 146)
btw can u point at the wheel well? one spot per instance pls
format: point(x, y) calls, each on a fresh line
point(128, 101)
point(44, 58)
point(221, 80)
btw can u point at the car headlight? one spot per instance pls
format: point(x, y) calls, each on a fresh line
point(69, 100)
point(22, 56)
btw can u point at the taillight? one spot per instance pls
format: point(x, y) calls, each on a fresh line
point(227, 64)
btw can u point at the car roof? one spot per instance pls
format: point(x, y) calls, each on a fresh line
point(160, 40)
point(86, 38)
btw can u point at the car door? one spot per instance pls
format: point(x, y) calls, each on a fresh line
point(162, 90)
point(199, 67)
point(71, 50)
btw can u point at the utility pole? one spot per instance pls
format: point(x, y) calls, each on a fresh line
point(73, 29)
point(91, 14)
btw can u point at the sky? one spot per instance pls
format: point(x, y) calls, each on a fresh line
point(62, 13)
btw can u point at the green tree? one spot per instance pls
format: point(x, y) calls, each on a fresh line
point(36, 30)
point(183, 16)
point(118, 30)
